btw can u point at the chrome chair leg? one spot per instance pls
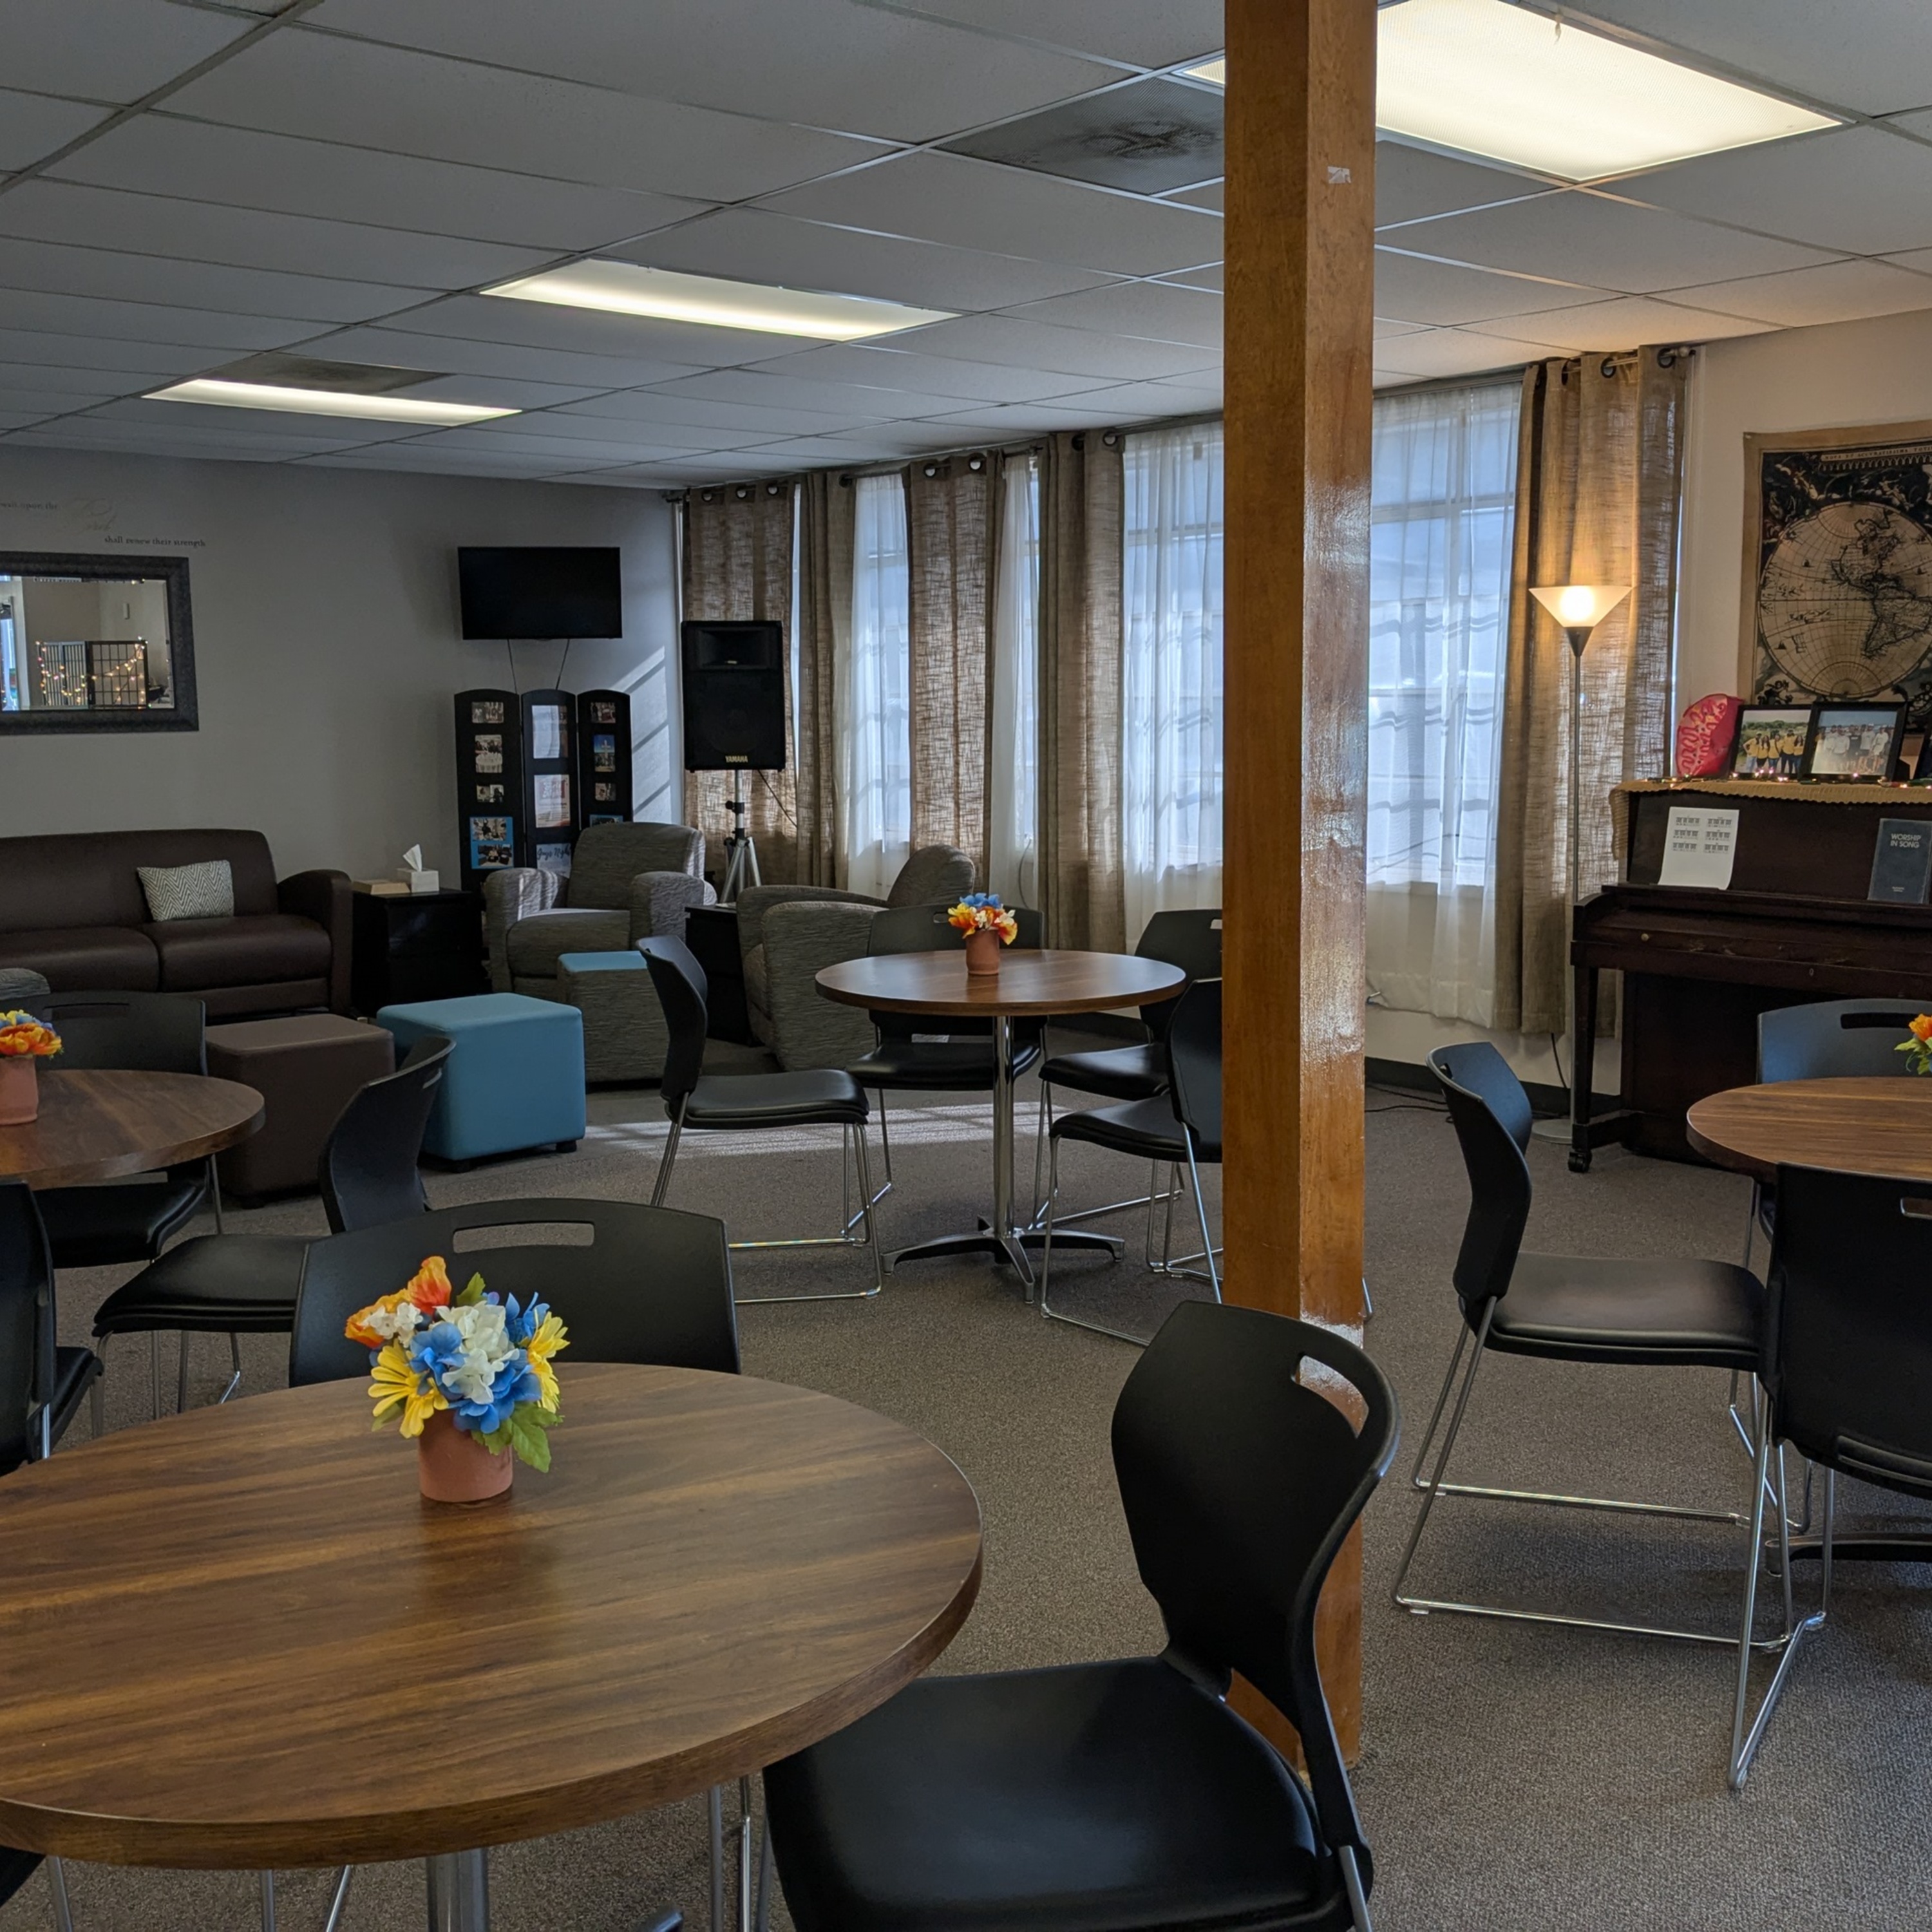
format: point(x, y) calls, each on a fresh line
point(57, 1884)
point(339, 1903)
point(235, 1375)
point(1201, 1209)
point(268, 1885)
point(764, 1911)
point(1358, 1899)
point(181, 1375)
point(1744, 1743)
point(97, 1395)
point(1047, 1312)
point(668, 1160)
point(215, 1191)
point(154, 1373)
point(745, 1859)
point(715, 1803)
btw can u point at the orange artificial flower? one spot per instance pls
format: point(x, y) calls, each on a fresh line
point(21, 1036)
point(358, 1328)
point(1921, 1028)
point(429, 1289)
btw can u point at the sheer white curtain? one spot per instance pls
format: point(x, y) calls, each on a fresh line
point(1172, 773)
point(1444, 506)
point(871, 697)
point(1011, 863)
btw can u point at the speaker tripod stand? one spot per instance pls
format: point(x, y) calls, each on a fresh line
point(741, 865)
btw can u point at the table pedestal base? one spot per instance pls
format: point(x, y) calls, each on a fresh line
point(1010, 1248)
point(459, 1892)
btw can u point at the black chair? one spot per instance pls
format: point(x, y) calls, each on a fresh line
point(1181, 1125)
point(40, 1387)
point(1654, 1313)
point(1847, 1362)
point(1190, 939)
point(107, 1226)
point(1127, 1793)
point(246, 1284)
point(934, 1054)
point(651, 1285)
point(814, 1097)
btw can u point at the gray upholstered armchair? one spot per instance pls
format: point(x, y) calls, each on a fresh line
point(786, 933)
point(626, 882)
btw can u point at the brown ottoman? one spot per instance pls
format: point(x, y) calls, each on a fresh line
point(306, 1068)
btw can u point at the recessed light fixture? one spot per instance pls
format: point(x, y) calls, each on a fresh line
point(1213, 72)
point(1491, 78)
point(621, 288)
point(325, 403)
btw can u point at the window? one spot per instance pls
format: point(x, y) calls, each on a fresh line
point(1171, 772)
point(1443, 523)
point(871, 697)
point(1011, 863)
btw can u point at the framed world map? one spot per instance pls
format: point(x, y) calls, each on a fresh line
point(1837, 577)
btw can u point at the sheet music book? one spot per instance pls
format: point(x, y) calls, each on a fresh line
point(1902, 861)
point(1699, 846)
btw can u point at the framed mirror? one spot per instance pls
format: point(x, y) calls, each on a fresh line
point(95, 644)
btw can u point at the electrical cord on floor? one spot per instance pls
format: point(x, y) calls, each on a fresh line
point(1556, 1061)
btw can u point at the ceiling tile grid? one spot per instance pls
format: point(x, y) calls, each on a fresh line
point(346, 183)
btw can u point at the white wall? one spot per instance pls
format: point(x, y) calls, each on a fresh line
point(327, 647)
point(1840, 375)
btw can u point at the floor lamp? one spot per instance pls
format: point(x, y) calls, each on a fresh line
point(1579, 608)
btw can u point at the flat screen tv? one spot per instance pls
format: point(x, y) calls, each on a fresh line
point(528, 592)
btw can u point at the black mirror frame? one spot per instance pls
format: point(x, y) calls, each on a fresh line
point(184, 715)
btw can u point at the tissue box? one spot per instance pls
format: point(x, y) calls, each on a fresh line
point(420, 882)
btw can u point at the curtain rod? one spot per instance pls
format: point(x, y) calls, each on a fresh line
point(1668, 355)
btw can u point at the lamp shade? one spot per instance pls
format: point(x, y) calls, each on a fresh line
point(1579, 607)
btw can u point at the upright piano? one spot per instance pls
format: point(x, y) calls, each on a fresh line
point(1699, 966)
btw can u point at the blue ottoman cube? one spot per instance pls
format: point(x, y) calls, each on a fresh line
point(514, 1078)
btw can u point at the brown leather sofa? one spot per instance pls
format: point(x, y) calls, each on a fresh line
point(71, 907)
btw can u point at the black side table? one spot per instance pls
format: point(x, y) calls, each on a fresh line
point(712, 934)
point(417, 945)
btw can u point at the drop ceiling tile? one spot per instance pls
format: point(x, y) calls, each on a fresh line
point(1142, 402)
point(590, 332)
point(1151, 136)
point(33, 125)
point(1141, 33)
point(481, 438)
point(1385, 330)
point(69, 382)
point(504, 392)
point(820, 62)
point(108, 49)
point(646, 476)
point(218, 420)
point(1153, 311)
point(755, 246)
point(1006, 422)
point(1576, 237)
point(58, 353)
point(1838, 292)
point(1207, 276)
point(136, 442)
point(147, 322)
point(420, 348)
point(816, 451)
point(585, 426)
point(18, 419)
point(1853, 190)
point(41, 404)
point(252, 239)
point(1872, 58)
point(927, 375)
point(755, 390)
point(154, 278)
point(969, 204)
point(411, 459)
point(301, 82)
point(1075, 352)
point(99, 432)
point(1410, 289)
point(1413, 183)
point(158, 154)
point(1628, 322)
point(755, 422)
point(1212, 194)
point(1455, 352)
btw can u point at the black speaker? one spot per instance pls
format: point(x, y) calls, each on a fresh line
point(734, 697)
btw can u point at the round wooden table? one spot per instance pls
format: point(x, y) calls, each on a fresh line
point(238, 1638)
point(1028, 984)
point(96, 1125)
point(1877, 1125)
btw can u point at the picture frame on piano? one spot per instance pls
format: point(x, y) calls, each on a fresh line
point(1772, 741)
point(1854, 743)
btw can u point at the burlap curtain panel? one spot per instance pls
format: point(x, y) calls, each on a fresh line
point(824, 631)
point(738, 566)
point(1599, 487)
point(952, 533)
point(1080, 669)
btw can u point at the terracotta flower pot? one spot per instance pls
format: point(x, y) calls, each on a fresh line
point(452, 1466)
point(19, 1090)
point(982, 951)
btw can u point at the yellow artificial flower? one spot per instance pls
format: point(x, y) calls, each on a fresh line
point(550, 1337)
point(395, 1383)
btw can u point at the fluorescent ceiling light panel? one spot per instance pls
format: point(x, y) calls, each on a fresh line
point(1213, 72)
point(1484, 77)
point(621, 288)
point(325, 402)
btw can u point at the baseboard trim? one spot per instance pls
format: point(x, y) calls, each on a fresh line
point(1411, 1076)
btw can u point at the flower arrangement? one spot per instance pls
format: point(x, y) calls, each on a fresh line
point(1919, 1046)
point(21, 1036)
point(982, 912)
point(486, 1361)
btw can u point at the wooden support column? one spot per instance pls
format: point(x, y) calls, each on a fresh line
point(1300, 219)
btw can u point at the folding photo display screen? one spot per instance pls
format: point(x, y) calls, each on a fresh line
point(491, 825)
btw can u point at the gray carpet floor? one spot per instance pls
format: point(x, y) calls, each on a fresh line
point(1513, 1778)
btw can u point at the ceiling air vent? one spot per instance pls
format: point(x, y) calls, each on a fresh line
point(316, 372)
point(1148, 137)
